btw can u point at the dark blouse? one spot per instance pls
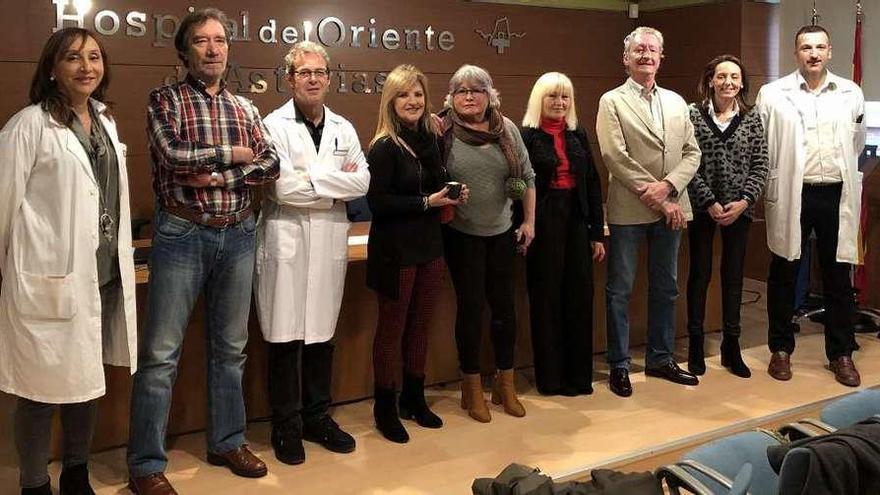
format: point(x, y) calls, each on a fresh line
point(105, 167)
point(545, 161)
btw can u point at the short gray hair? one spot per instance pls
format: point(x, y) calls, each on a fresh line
point(301, 48)
point(638, 33)
point(479, 77)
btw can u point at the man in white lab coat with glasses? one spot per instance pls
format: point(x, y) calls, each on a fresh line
point(302, 252)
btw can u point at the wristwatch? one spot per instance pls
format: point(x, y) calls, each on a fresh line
point(215, 179)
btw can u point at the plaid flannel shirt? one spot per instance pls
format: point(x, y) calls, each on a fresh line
point(192, 132)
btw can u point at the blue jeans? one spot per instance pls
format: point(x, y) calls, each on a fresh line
point(623, 259)
point(186, 258)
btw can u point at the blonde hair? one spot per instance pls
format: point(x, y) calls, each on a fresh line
point(401, 79)
point(299, 49)
point(546, 84)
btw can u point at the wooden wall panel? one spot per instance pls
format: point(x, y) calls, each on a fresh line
point(584, 44)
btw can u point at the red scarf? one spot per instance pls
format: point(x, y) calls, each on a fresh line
point(556, 128)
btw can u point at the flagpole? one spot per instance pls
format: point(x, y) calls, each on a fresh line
point(857, 45)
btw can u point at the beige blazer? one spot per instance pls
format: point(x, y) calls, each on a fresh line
point(636, 154)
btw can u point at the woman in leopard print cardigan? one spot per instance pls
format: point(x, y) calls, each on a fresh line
point(723, 192)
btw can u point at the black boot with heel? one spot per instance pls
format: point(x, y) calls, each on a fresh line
point(696, 358)
point(413, 405)
point(385, 414)
point(731, 357)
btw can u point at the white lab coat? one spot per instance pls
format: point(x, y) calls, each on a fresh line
point(784, 127)
point(51, 344)
point(302, 243)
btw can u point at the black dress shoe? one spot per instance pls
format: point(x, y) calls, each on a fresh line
point(288, 445)
point(673, 373)
point(619, 382)
point(326, 432)
point(45, 489)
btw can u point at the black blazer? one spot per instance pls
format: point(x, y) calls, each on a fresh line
point(544, 160)
point(402, 232)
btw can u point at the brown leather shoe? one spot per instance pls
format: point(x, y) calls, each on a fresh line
point(241, 462)
point(151, 484)
point(780, 366)
point(845, 371)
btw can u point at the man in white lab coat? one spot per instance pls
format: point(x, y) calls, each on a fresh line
point(815, 128)
point(302, 252)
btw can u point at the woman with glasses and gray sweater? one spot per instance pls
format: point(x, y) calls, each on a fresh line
point(484, 150)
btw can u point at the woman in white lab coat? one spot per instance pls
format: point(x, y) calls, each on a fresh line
point(67, 302)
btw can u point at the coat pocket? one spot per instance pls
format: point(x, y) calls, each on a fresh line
point(46, 296)
point(771, 193)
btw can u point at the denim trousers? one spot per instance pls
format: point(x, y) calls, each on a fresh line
point(186, 259)
point(623, 259)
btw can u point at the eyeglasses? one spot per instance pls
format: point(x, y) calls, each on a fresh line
point(306, 74)
point(468, 92)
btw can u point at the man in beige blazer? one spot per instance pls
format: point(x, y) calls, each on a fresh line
point(648, 145)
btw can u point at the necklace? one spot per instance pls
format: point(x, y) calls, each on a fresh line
point(99, 145)
point(97, 148)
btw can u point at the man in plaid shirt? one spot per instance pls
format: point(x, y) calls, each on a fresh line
point(208, 147)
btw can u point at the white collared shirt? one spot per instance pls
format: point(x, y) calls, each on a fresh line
point(818, 109)
point(722, 126)
point(649, 99)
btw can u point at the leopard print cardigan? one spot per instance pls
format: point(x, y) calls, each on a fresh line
point(734, 162)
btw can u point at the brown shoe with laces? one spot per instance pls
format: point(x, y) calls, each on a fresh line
point(241, 461)
point(845, 371)
point(151, 484)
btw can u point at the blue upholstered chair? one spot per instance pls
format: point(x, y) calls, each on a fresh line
point(851, 409)
point(736, 464)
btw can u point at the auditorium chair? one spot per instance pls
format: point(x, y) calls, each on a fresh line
point(735, 464)
point(840, 413)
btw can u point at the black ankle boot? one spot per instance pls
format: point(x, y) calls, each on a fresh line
point(39, 490)
point(696, 359)
point(731, 358)
point(385, 414)
point(413, 405)
point(75, 481)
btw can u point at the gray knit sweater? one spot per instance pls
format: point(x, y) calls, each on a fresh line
point(733, 165)
point(484, 169)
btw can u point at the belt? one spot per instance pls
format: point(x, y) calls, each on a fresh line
point(209, 219)
point(822, 184)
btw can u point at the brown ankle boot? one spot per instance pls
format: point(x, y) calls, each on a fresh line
point(504, 392)
point(472, 398)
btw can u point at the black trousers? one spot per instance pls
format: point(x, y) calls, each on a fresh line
point(560, 282)
point(482, 270)
point(299, 381)
point(33, 426)
point(819, 213)
point(734, 237)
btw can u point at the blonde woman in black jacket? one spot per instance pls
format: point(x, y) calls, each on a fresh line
point(569, 228)
point(405, 250)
